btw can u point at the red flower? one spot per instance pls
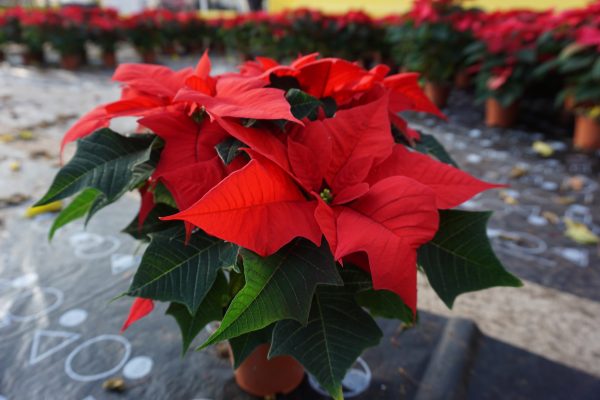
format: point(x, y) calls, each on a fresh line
point(361, 193)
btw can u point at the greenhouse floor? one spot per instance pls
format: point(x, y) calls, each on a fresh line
point(59, 330)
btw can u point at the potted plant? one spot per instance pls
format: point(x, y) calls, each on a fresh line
point(289, 202)
point(68, 35)
point(33, 29)
point(432, 45)
point(578, 63)
point(505, 58)
point(105, 31)
point(143, 31)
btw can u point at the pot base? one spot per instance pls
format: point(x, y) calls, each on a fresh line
point(587, 134)
point(262, 377)
point(498, 115)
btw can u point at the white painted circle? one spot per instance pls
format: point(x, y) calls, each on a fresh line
point(58, 295)
point(73, 317)
point(138, 367)
point(88, 253)
point(101, 375)
point(3, 398)
point(24, 280)
point(85, 239)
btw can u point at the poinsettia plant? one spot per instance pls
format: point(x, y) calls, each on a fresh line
point(289, 202)
point(105, 29)
point(505, 54)
point(579, 64)
point(67, 30)
point(431, 39)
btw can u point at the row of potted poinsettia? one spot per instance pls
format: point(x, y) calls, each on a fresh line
point(292, 203)
point(505, 55)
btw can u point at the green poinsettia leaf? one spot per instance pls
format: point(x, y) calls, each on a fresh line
point(429, 145)
point(229, 149)
point(152, 223)
point(460, 258)
point(337, 332)
point(385, 304)
point(211, 309)
point(105, 161)
point(380, 303)
point(78, 208)
point(175, 270)
point(163, 196)
point(302, 104)
point(277, 287)
point(242, 346)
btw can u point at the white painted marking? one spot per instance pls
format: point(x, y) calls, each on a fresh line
point(138, 367)
point(550, 186)
point(2, 397)
point(85, 239)
point(579, 257)
point(122, 262)
point(101, 375)
point(35, 356)
point(4, 322)
point(23, 281)
point(73, 317)
point(473, 158)
point(58, 295)
point(537, 220)
point(88, 253)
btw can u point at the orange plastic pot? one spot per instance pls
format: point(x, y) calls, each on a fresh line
point(109, 59)
point(437, 93)
point(498, 115)
point(262, 377)
point(587, 133)
point(570, 103)
point(70, 62)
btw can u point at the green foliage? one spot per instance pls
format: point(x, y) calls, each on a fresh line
point(78, 208)
point(173, 269)
point(211, 309)
point(277, 287)
point(337, 332)
point(460, 258)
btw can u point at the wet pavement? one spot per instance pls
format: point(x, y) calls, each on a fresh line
point(59, 330)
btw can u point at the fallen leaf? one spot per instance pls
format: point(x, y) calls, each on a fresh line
point(26, 135)
point(55, 206)
point(564, 200)
point(40, 154)
point(580, 233)
point(114, 384)
point(551, 217)
point(542, 148)
point(7, 138)
point(14, 166)
point(517, 172)
point(576, 183)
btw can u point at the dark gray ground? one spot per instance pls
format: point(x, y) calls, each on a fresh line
point(59, 332)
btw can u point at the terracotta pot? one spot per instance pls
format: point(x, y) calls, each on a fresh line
point(587, 133)
point(462, 80)
point(498, 115)
point(148, 56)
point(261, 377)
point(70, 62)
point(109, 59)
point(437, 93)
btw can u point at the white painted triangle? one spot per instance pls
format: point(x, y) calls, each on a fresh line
point(35, 356)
